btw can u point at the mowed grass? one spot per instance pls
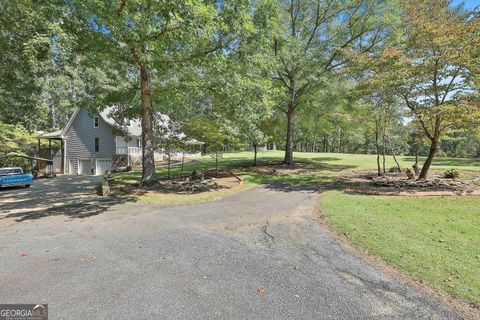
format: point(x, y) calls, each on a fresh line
point(325, 164)
point(437, 239)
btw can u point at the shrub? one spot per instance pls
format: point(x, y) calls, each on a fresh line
point(394, 170)
point(453, 173)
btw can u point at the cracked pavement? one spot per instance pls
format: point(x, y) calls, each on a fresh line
point(259, 254)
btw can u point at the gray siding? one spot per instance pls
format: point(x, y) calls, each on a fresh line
point(80, 138)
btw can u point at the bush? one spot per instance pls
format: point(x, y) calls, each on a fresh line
point(394, 170)
point(453, 173)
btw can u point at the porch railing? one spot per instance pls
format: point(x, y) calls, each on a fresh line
point(128, 150)
point(158, 154)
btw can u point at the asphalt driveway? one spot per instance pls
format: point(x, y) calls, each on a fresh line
point(73, 196)
point(259, 254)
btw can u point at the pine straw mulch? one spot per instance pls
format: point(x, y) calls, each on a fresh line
point(192, 183)
point(369, 183)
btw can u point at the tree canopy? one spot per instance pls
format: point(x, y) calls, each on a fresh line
point(371, 76)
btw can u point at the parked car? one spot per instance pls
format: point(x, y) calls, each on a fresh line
point(10, 177)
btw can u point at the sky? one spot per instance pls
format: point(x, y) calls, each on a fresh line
point(468, 3)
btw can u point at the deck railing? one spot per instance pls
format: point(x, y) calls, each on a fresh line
point(158, 154)
point(128, 150)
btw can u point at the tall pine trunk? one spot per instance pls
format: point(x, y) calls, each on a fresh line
point(149, 176)
point(384, 148)
point(288, 160)
point(377, 145)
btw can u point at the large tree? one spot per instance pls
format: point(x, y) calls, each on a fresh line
point(154, 37)
point(438, 45)
point(311, 44)
point(29, 30)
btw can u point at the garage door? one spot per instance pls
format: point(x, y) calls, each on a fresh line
point(103, 165)
point(71, 166)
point(84, 167)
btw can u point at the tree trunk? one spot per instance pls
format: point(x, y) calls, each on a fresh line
point(426, 166)
point(416, 154)
point(183, 161)
point(288, 160)
point(254, 154)
point(384, 151)
point(339, 133)
point(169, 162)
point(216, 164)
point(392, 146)
point(149, 175)
point(377, 145)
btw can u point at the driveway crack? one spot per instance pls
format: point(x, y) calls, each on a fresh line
point(269, 238)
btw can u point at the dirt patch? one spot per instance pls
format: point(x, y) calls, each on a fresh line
point(194, 183)
point(366, 182)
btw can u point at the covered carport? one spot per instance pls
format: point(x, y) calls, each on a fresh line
point(54, 151)
point(35, 162)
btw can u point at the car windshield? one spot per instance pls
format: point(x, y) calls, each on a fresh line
point(10, 171)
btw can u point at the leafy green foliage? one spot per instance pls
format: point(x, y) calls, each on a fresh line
point(452, 173)
point(15, 139)
point(428, 69)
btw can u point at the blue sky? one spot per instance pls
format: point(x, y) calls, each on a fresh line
point(468, 3)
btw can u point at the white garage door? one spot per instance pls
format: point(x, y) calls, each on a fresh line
point(103, 165)
point(71, 166)
point(84, 167)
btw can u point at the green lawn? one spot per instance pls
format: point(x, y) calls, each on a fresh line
point(437, 239)
point(324, 165)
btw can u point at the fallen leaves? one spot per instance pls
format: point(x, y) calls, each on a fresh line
point(23, 254)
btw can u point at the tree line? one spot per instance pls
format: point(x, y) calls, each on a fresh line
point(360, 76)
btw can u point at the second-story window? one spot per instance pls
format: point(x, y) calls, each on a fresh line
point(97, 145)
point(95, 122)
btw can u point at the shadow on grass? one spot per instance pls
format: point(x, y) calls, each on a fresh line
point(326, 159)
point(453, 162)
point(314, 179)
point(310, 175)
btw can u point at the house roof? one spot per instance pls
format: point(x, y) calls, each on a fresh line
point(51, 135)
point(132, 128)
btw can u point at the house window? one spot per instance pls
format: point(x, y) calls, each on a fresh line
point(95, 122)
point(139, 143)
point(97, 145)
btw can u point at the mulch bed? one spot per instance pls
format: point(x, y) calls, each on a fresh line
point(193, 183)
point(363, 182)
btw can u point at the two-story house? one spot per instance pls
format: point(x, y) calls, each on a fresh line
point(94, 143)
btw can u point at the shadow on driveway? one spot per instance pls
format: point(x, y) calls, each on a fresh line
point(71, 196)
